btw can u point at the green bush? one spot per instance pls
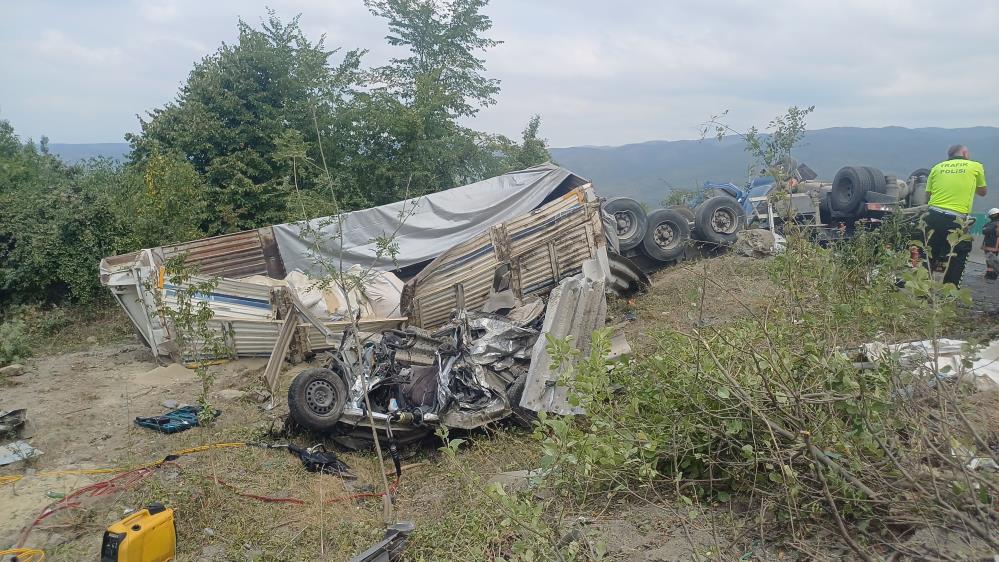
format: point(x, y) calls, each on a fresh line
point(13, 342)
point(772, 407)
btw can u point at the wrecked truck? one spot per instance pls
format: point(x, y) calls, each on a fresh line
point(468, 259)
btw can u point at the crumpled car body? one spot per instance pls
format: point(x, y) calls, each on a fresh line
point(469, 383)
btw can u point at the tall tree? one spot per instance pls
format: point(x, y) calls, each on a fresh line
point(235, 105)
point(442, 73)
point(412, 111)
point(533, 149)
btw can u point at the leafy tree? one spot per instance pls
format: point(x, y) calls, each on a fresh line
point(171, 187)
point(408, 122)
point(57, 222)
point(442, 74)
point(51, 239)
point(235, 105)
point(533, 150)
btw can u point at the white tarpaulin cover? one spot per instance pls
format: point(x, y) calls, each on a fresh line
point(431, 223)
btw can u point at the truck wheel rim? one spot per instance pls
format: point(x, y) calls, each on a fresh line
point(848, 190)
point(724, 221)
point(665, 236)
point(320, 397)
point(626, 223)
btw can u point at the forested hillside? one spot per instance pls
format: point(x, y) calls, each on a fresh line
point(274, 127)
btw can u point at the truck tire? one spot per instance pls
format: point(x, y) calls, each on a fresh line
point(877, 179)
point(316, 399)
point(848, 189)
point(923, 173)
point(666, 236)
point(919, 196)
point(718, 220)
point(631, 221)
point(917, 182)
point(683, 210)
point(825, 207)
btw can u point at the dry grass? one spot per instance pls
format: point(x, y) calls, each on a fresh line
point(447, 502)
point(697, 293)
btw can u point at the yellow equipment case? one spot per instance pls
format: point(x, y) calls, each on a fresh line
point(148, 535)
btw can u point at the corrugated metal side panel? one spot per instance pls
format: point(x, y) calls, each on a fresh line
point(438, 296)
point(547, 244)
point(231, 255)
point(533, 270)
point(254, 338)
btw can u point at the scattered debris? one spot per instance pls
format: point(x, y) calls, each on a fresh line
point(318, 459)
point(619, 346)
point(946, 359)
point(16, 452)
point(174, 421)
point(516, 480)
point(12, 422)
point(390, 547)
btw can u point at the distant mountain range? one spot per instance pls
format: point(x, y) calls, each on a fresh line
point(73, 153)
point(647, 171)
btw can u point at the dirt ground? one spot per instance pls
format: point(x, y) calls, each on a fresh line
point(81, 406)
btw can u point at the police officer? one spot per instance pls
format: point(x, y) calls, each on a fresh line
point(990, 244)
point(952, 185)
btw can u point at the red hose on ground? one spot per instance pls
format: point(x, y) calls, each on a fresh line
point(128, 479)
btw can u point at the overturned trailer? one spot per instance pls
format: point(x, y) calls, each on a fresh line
point(538, 224)
point(485, 247)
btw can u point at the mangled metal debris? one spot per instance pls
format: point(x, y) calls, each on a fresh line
point(17, 451)
point(12, 422)
point(390, 547)
point(485, 366)
point(461, 344)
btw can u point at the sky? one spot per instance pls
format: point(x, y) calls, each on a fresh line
point(598, 72)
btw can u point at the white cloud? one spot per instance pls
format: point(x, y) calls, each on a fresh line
point(159, 11)
point(55, 44)
point(598, 72)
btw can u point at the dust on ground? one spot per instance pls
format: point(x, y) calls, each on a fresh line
point(81, 406)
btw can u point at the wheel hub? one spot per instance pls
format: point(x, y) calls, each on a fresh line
point(723, 221)
point(665, 236)
point(625, 223)
point(320, 397)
